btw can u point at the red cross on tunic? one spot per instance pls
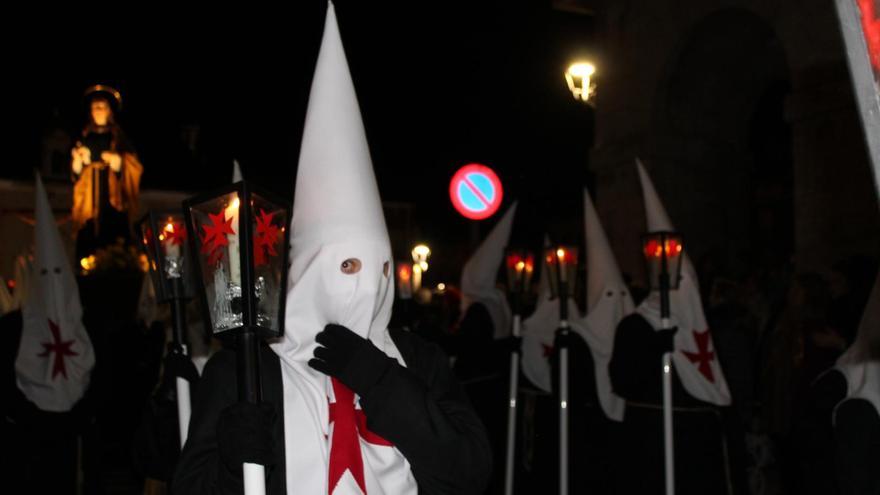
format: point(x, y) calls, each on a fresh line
point(703, 357)
point(60, 347)
point(547, 350)
point(349, 425)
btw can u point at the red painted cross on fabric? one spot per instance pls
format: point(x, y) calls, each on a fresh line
point(703, 357)
point(345, 450)
point(60, 347)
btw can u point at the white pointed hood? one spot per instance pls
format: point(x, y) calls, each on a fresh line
point(478, 277)
point(696, 361)
point(860, 364)
point(55, 356)
point(608, 302)
point(337, 216)
point(539, 332)
point(236, 172)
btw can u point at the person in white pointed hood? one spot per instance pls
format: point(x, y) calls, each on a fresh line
point(608, 302)
point(698, 384)
point(478, 277)
point(47, 345)
point(539, 333)
point(856, 418)
point(694, 357)
point(349, 406)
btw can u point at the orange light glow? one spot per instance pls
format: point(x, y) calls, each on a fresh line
point(654, 250)
point(404, 273)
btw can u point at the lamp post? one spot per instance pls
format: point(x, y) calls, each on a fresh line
point(579, 77)
point(520, 266)
point(561, 264)
point(163, 237)
point(663, 254)
point(420, 255)
point(239, 236)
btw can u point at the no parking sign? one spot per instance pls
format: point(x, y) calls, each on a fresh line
point(476, 191)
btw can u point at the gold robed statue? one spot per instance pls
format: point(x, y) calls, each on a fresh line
point(107, 176)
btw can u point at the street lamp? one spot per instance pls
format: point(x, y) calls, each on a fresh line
point(579, 77)
point(561, 264)
point(239, 236)
point(664, 254)
point(163, 240)
point(520, 266)
point(420, 255)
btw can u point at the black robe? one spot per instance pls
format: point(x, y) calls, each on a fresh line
point(420, 409)
point(857, 435)
point(699, 427)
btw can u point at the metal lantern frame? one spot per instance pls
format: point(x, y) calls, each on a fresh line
point(249, 301)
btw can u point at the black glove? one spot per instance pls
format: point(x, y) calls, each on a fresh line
point(512, 344)
point(349, 358)
point(180, 365)
point(245, 434)
point(665, 339)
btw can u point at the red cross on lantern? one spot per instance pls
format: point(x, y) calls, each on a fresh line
point(703, 357)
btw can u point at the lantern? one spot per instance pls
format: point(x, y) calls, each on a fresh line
point(520, 267)
point(561, 264)
point(663, 253)
point(420, 255)
point(163, 238)
point(579, 77)
point(239, 237)
point(404, 273)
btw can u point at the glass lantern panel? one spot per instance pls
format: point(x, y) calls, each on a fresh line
point(403, 269)
point(218, 252)
point(268, 223)
point(149, 247)
point(172, 241)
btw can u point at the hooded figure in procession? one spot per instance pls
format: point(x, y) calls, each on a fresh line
point(698, 384)
point(856, 418)
point(349, 406)
point(42, 399)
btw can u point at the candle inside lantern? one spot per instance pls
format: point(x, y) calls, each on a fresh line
point(561, 261)
point(169, 244)
point(234, 257)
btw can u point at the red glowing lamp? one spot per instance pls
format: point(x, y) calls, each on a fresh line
point(561, 264)
point(663, 253)
point(520, 266)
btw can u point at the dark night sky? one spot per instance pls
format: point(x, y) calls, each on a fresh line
point(440, 84)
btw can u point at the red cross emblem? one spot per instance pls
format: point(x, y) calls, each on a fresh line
point(60, 347)
point(703, 357)
point(348, 424)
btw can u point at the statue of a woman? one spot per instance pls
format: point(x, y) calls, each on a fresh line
point(107, 173)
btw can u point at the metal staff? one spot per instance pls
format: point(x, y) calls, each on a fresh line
point(520, 266)
point(668, 442)
point(511, 411)
point(178, 345)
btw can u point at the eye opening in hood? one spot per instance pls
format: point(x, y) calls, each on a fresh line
point(350, 266)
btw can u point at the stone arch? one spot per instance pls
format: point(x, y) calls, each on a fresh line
point(724, 80)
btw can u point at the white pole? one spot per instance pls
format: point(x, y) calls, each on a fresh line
point(184, 409)
point(563, 415)
point(184, 405)
point(254, 479)
point(668, 443)
point(511, 412)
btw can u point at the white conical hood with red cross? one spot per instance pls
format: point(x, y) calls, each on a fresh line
point(539, 332)
point(860, 364)
point(55, 356)
point(696, 361)
point(608, 302)
point(337, 223)
point(480, 273)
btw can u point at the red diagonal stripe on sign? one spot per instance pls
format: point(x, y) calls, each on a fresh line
point(476, 191)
